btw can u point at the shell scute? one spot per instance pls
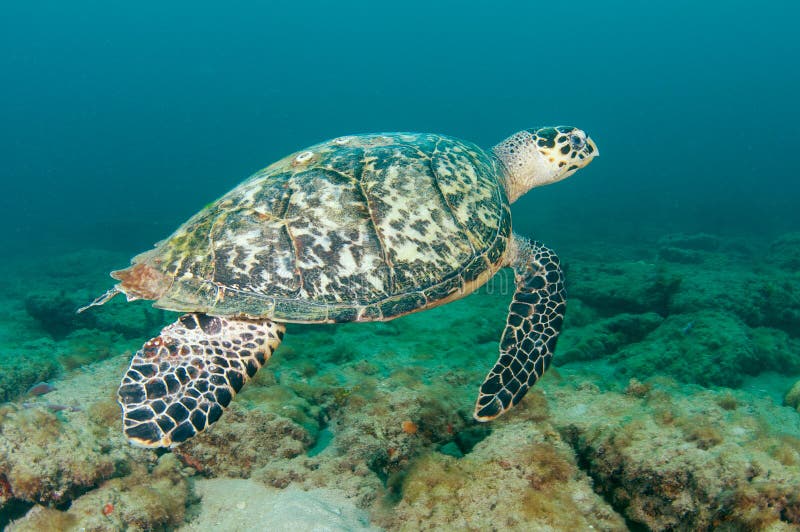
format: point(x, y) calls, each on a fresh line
point(468, 182)
point(404, 304)
point(445, 289)
point(243, 261)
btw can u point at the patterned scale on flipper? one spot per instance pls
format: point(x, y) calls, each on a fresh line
point(180, 381)
point(534, 321)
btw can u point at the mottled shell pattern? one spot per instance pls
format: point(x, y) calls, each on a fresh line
point(359, 228)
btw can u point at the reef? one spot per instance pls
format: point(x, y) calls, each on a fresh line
point(520, 477)
point(659, 412)
point(711, 348)
point(58, 446)
point(686, 459)
point(784, 252)
point(648, 315)
point(792, 398)
point(150, 497)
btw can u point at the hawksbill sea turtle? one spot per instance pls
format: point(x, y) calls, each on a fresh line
point(359, 228)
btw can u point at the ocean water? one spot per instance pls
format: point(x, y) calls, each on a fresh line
point(680, 242)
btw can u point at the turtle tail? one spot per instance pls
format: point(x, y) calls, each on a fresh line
point(105, 298)
point(139, 281)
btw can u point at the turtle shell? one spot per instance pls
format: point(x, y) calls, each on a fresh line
point(359, 228)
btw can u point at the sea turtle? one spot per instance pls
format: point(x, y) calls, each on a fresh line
point(359, 228)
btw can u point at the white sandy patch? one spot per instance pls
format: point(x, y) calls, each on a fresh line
point(243, 504)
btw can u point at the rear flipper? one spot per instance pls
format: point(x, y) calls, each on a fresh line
point(529, 339)
point(180, 381)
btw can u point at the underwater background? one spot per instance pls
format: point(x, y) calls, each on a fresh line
point(674, 398)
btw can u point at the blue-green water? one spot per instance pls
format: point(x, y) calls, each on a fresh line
point(681, 246)
point(120, 120)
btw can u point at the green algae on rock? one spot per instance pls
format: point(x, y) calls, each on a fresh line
point(146, 499)
point(784, 252)
point(606, 336)
point(538, 486)
point(693, 242)
point(47, 460)
point(50, 458)
point(793, 397)
point(678, 460)
point(24, 365)
point(625, 287)
point(708, 348)
point(246, 440)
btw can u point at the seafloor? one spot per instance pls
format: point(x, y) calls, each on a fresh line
point(673, 404)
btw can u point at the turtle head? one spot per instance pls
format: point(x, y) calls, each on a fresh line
point(536, 157)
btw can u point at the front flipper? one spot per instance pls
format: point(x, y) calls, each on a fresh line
point(529, 339)
point(180, 381)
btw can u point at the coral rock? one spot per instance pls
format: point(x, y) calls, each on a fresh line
point(793, 397)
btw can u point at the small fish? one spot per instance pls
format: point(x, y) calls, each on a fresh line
point(61, 408)
point(687, 328)
point(40, 389)
point(52, 407)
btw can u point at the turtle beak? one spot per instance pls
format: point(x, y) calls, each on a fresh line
point(593, 151)
point(588, 153)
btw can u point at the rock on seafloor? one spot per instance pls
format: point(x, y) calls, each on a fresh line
point(520, 477)
point(686, 458)
point(793, 397)
point(147, 498)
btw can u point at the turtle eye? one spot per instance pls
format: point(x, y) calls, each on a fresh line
point(577, 141)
